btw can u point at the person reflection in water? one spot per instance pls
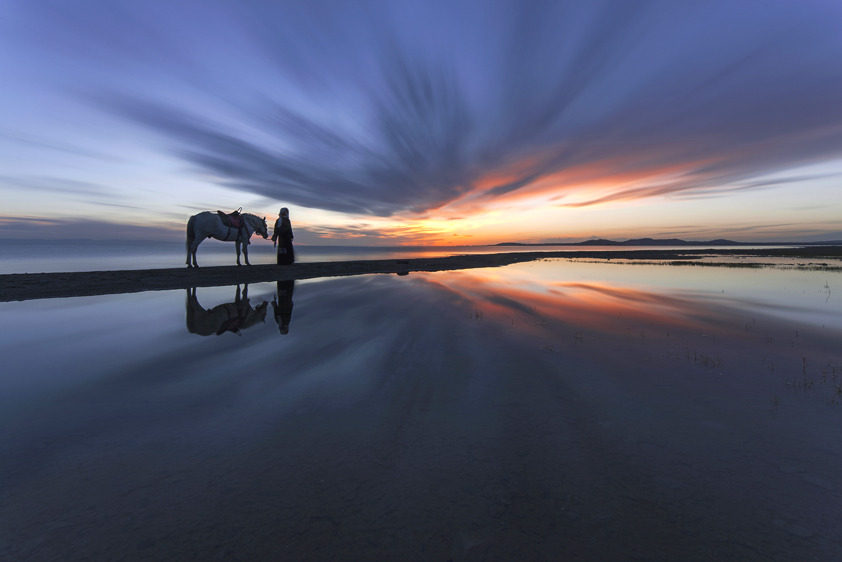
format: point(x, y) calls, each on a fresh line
point(282, 237)
point(282, 305)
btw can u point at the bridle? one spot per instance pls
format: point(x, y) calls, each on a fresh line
point(249, 227)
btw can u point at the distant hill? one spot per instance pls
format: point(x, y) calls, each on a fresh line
point(673, 242)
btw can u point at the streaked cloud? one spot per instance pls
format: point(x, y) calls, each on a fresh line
point(62, 229)
point(56, 186)
point(412, 110)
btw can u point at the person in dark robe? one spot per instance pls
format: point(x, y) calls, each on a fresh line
point(282, 237)
point(282, 305)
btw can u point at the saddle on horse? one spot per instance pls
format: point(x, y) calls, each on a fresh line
point(232, 219)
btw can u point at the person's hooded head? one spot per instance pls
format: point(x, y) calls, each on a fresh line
point(284, 212)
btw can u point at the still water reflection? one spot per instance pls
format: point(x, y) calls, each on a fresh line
point(546, 410)
point(227, 317)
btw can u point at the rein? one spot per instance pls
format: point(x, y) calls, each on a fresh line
point(248, 227)
point(245, 232)
point(239, 237)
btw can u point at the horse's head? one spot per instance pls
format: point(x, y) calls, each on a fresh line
point(257, 224)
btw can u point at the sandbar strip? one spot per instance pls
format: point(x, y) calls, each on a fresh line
point(27, 286)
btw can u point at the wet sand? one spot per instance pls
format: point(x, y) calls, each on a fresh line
point(27, 286)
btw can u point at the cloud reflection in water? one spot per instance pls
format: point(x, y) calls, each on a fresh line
point(539, 408)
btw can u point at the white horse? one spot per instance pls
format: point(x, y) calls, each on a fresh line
point(208, 224)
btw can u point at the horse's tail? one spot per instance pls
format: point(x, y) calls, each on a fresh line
point(191, 234)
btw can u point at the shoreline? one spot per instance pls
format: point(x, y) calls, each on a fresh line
point(30, 286)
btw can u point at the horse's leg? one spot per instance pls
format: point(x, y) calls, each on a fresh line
point(191, 237)
point(237, 245)
point(193, 248)
point(246, 251)
point(191, 252)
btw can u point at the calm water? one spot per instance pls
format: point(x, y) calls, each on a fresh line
point(41, 257)
point(38, 257)
point(541, 411)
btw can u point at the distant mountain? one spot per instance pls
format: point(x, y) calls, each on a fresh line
point(638, 242)
point(678, 242)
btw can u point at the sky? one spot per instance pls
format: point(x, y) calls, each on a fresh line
point(398, 122)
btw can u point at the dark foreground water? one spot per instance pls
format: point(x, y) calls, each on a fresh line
point(542, 411)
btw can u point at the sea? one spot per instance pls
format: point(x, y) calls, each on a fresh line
point(557, 409)
point(44, 256)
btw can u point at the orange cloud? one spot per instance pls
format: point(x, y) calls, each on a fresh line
point(635, 175)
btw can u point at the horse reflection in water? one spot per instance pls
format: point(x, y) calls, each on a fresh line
point(228, 317)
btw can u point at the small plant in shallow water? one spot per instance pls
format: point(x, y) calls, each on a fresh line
point(710, 362)
point(830, 369)
point(838, 395)
point(477, 315)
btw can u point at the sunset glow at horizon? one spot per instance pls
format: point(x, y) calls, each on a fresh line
point(431, 123)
